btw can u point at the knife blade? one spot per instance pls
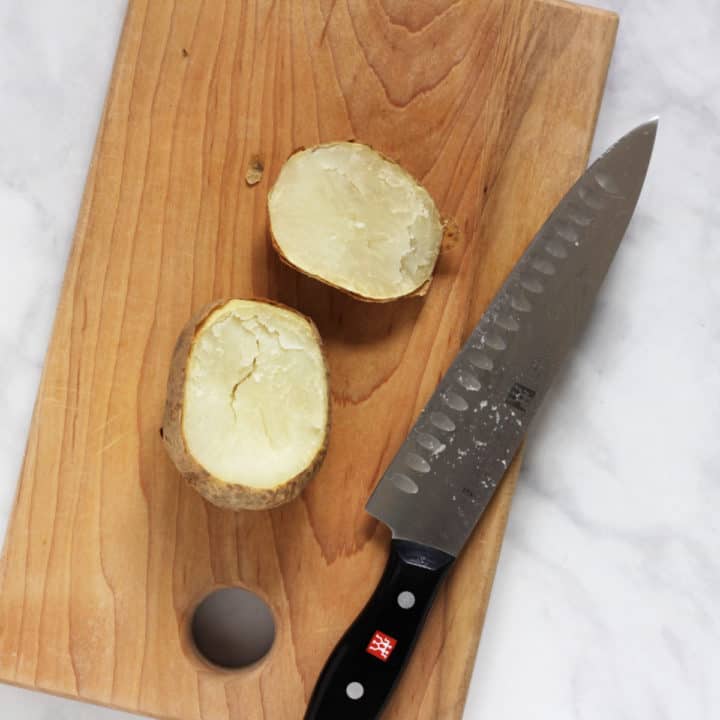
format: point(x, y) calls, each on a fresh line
point(435, 490)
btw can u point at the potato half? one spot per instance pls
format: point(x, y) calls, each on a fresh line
point(247, 412)
point(353, 219)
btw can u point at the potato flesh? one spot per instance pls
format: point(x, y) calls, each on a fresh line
point(255, 405)
point(347, 215)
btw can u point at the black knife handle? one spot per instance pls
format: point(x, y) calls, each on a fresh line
point(362, 671)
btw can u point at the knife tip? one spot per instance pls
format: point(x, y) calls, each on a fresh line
point(650, 126)
point(642, 138)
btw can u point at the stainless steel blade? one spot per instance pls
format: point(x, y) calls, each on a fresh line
point(446, 472)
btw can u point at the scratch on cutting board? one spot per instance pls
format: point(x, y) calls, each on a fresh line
point(106, 423)
point(113, 442)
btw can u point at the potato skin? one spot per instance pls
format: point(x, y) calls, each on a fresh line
point(419, 292)
point(230, 496)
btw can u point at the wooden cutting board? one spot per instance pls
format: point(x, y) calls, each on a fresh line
point(492, 104)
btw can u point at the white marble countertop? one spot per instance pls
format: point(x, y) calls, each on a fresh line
point(607, 594)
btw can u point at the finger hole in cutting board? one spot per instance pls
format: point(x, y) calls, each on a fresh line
point(231, 629)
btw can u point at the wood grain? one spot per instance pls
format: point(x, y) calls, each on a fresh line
point(492, 105)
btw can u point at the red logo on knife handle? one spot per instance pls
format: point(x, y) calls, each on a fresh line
point(381, 646)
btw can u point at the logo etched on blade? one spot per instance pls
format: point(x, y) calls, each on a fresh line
point(520, 397)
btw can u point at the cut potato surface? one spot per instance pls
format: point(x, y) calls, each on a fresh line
point(248, 403)
point(348, 216)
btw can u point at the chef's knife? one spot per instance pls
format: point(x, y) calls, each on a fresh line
point(442, 479)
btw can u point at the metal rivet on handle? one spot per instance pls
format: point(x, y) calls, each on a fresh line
point(355, 690)
point(406, 600)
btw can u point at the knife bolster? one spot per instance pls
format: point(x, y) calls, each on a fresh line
point(421, 556)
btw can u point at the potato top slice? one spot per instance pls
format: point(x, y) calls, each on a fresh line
point(351, 218)
point(248, 403)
